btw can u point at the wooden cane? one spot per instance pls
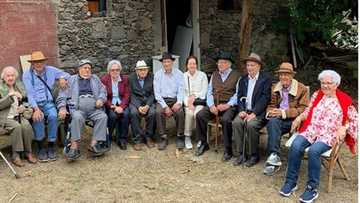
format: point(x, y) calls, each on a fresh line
point(217, 124)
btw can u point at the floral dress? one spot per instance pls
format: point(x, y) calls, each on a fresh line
point(325, 120)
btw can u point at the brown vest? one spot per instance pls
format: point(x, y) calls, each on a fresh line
point(225, 89)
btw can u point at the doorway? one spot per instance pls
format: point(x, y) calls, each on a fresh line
point(180, 28)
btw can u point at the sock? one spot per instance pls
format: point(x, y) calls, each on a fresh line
point(51, 144)
point(40, 144)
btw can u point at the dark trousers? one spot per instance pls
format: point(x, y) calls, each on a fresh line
point(252, 129)
point(120, 122)
point(276, 127)
point(204, 116)
point(137, 131)
point(161, 119)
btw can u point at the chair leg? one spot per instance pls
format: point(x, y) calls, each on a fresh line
point(330, 174)
point(208, 133)
point(342, 168)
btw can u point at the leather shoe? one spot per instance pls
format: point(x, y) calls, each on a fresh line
point(73, 154)
point(97, 150)
point(162, 144)
point(122, 145)
point(202, 149)
point(180, 142)
point(240, 160)
point(227, 156)
point(137, 147)
point(254, 159)
point(17, 162)
point(31, 158)
point(149, 142)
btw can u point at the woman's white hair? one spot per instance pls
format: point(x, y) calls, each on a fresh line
point(334, 76)
point(7, 69)
point(112, 62)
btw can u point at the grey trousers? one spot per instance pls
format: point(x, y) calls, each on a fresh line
point(161, 120)
point(21, 134)
point(87, 110)
point(252, 143)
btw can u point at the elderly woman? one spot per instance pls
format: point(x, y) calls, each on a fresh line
point(330, 117)
point(12, 93)
point(196, 84)
point(117, 87)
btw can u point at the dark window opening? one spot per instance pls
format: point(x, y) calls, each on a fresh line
point(229, 5)
point(96, 8)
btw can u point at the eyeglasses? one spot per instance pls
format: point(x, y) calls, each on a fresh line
point(326, 83)
point(115, 70)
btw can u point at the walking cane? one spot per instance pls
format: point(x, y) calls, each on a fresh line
point(243, 99)
point(217, 124)
point(11, 168)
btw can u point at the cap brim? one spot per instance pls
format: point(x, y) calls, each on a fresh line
point(142, 67)
point(279, 71)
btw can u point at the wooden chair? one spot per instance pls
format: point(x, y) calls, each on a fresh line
point(329, 159)
point(209, 138)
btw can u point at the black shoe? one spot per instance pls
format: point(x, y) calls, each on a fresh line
point(254, 159)
point(43, 155)
point(162, 144)
point(180, 142)
point(240, 160)
point(52, 154)
point(73, 154)
point(97, 150)
point(122, 145)
point(201, 149)
point(227, 156)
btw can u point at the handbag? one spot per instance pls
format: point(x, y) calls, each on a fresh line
point(197, 101)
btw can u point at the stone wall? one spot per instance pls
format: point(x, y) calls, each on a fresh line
point(125, 33)
point(219, 30)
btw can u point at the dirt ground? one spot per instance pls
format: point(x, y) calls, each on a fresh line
point(161, 176)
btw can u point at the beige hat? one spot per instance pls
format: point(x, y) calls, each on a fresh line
point(141, 65)
point(37, 56)
point(286, 68)
point(255, 58)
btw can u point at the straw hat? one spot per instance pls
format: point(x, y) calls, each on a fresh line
point(141, 65)
point(286, 68)
point(37, 56)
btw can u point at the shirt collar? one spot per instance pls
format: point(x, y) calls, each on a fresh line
point(172, 71)
point(256, 76)
point(195, 74)
point(226, 72)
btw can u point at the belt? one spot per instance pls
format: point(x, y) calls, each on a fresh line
point(86, 96)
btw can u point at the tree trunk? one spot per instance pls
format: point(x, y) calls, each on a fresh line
point(245, 32)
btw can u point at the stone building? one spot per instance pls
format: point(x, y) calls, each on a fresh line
point(102, 30)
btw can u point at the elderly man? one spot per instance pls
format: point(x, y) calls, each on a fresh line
point(289, 98)
point(142, 105)
point(253, 96)
point(169, 94)
point(85, 98)
point(221, 101)
point(39, 82)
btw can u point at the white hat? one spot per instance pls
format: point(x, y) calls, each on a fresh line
point(141, 65)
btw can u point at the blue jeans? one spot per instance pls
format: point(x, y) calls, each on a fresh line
point(296, 153)
point(121, 123)
point(276, 127)
point(50, 113)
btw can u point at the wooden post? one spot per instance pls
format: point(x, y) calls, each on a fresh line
point(245, 31)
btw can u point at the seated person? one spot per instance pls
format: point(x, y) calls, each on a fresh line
point(39, 83)
point(289, 98)
point(142, 104)
point(12, 93)
point(169, 94)
point(255, 87)
point(196, 84)
point(85, 98)
point(117, 88)
point(220, 101)
point(330, 118)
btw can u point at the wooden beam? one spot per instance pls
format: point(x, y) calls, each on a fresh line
point(245, 31)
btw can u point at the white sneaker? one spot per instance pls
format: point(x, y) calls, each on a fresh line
point(188, 144)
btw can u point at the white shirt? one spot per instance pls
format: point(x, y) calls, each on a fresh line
point(196, 85)
point(250, 91)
